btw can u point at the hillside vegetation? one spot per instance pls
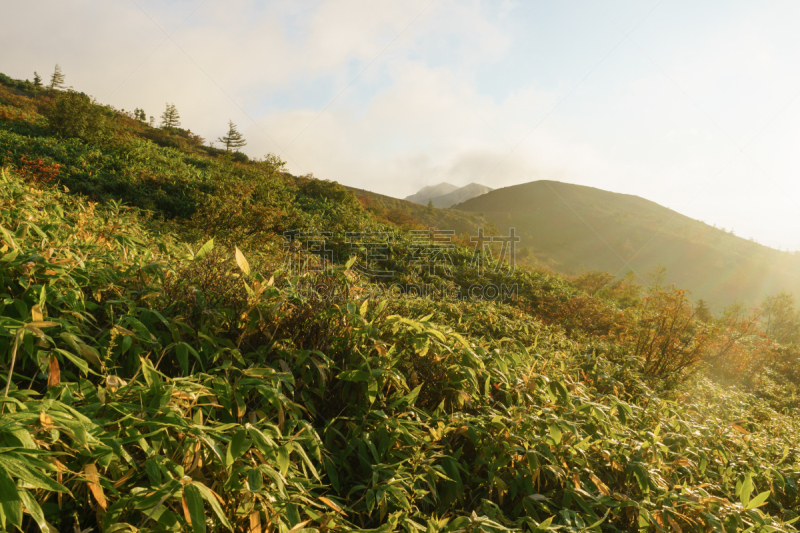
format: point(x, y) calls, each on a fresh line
point(575, 228)
point(166, 369)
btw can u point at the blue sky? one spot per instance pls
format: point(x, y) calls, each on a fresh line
point(692, 105)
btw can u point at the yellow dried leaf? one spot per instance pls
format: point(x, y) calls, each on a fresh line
point(255, 522)
point(124, 331)
point(113, 383)
point(331, 504)
point(186, 514)
point(90, 471)
point(42, 324)
point(151, 295)
point(739, 428)
point(53, 372)
point(242, 262)
point(460, 431)
point(45, 420)
point(298, 526)
point(36, 313)
point(124, 478)
point(602, 487)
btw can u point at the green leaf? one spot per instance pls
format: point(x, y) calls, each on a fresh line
point(747, 488)
point(354, 375)
point(151, 376)
point(77, 361)
point(194, 502)
point(283, 459)
point(11, 513)
point(408, 399)
point(372, 391)
point(35, 511)
point(8, 489)
point(333, 475)
point(209, 496)
point(237, 446)
point(204, 250)
point(183, 357)
point(10, 502)
point(153, 472)
point(20, 470)
point(555, 432)
point(559, 390)
point(255, 480)
point(758, 500)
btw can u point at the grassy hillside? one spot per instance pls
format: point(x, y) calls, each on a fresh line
point(405, 214)
point(584, 228)
point(165, 369)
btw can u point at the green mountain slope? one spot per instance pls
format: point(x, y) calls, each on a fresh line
point(582, 227)
point(410, 214)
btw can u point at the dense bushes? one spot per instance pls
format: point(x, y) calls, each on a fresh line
point(166, 372)
point(214, 395)
point(75, 114)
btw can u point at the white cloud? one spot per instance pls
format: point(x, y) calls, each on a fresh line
point(422, 111)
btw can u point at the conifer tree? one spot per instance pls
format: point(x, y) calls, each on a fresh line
point(57, 79)
point(430, 205)
point(702, 311)
point(37, 80)
point(170, 118)
point(233, 139)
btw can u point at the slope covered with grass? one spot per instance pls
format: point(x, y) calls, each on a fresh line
point(584, 228)
point(165, 371)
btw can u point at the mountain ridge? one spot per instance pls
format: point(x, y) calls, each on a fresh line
point(431, 191)
point(451, 197)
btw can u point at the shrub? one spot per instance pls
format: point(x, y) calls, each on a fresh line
point(314, 188)
point(75, 114)
point(666, 337)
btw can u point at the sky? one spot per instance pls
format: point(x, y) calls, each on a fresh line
point(691, 105)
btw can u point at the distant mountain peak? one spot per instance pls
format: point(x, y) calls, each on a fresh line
point(431, 191)
point(446, 195)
